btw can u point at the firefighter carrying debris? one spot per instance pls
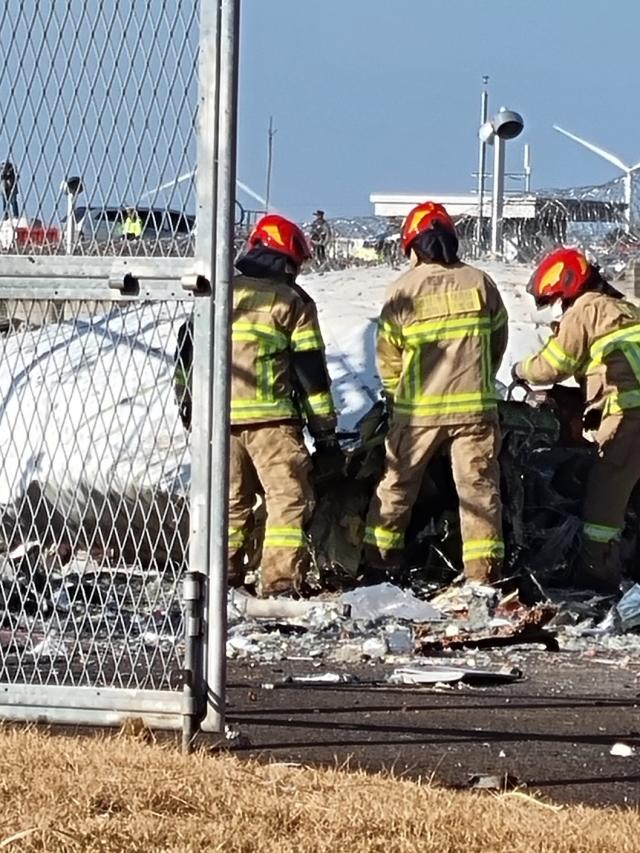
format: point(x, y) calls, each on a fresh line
point(598, 341)
point(279, 384)
point(441, 337)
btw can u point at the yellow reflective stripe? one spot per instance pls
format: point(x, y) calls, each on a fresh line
point(236, 537)
point(383, 538)
point(500, 320)
point(319, 404)
point(445, 330)
point(601, 532)
point(284, 537)
point(487, 366)
point(627, 342)
point(391, 384)
point(445, 404)
point(554, 355)
point(614, 340)
point(305, 340)
point(390, 332)
point(482, 549)
point(247, 411)
point(243, 330)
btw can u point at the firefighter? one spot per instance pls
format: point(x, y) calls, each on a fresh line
point(597, 341)
point(441, 337)
point(280, 384)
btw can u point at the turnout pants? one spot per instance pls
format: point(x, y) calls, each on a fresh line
point(609, 486)
point(270, 460)
point(474, 452)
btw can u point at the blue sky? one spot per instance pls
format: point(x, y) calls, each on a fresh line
point(366, 94)
point(384, 94)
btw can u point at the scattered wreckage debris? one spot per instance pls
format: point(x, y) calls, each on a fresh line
point(494, 783)
point(404, 678)
point(448, 673)
point(527, 628)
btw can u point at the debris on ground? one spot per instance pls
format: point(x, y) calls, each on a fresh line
point(433, 673)
point(493, 782)
point(622, 750)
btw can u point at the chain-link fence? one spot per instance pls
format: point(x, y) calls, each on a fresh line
point(94, 475)
point(118, 125)
point(97, 126)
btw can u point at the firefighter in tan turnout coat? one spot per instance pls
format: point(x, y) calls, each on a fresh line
point(441, 337)
point(598, 342)
point(279, 383)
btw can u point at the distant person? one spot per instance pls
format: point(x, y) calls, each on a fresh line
point(9, 180)
point(132, 228)
point(320, 236)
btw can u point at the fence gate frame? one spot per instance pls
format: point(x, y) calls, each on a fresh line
point(205, 281)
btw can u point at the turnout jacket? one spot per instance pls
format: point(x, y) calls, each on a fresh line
point(279, 371)
point(597, 341)
point(441, 337)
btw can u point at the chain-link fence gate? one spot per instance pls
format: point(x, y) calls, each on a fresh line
point(117, 224)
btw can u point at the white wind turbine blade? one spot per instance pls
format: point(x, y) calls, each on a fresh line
point(606, 155)
point(169, 184)
point(635, 168)
point(251, 193)
point(244, 187)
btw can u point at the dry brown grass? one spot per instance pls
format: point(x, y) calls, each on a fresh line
point(122, 794)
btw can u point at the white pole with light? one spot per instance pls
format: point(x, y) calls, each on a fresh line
point(506, 124)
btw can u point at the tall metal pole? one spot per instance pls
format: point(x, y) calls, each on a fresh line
point(628, 200)
point(482, 159)
point(221, 367)
point(267, 194)
point(527, 169)
point(497, 206)
point(71, 222)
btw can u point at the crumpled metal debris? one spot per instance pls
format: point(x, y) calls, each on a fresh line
point(384, 601)
point(435, 673)
point(628, 609)
point(527, 627)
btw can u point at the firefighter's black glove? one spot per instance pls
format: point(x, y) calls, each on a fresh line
point(515, 376)
point(328, 458)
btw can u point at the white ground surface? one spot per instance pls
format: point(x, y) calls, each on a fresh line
point(88, 410)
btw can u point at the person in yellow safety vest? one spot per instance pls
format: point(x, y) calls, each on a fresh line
point(441, 337)
point(132, 228)
point(597, 341)
point(280, 383)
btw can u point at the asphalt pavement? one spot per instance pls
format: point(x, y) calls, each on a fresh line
point(551, 732)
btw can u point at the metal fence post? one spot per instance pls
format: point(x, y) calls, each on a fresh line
point(199, 545)
point(215, 665)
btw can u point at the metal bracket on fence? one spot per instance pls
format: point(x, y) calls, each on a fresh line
point(196, 283)
point(127, 284)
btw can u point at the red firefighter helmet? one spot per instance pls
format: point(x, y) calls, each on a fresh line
point(562, 274)
point(282, 235)
point(421, 218)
